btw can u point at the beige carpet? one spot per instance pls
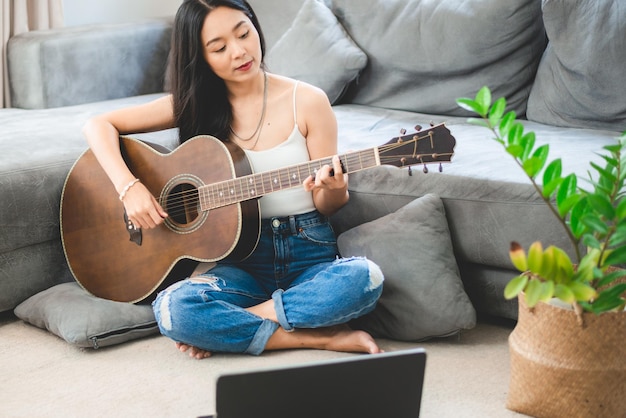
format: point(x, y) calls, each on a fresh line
point(42, 376)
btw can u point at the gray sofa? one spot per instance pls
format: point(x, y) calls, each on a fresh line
point(387, 65)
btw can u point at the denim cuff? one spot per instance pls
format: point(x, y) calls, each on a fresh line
point(262, 335)
point(277, 297)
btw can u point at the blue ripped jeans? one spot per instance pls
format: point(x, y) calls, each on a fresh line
point(296, 265)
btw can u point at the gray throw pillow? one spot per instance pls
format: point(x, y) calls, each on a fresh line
point(423, 295)
point(424, 54)
point(316, 49)
point(581, 80)
point(85, 320)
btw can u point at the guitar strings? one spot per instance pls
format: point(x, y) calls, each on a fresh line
point(185, 201)
point(188, 201)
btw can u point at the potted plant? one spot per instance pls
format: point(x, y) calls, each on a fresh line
point(566, 362)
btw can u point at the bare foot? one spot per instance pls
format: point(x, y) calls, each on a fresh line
point(194, 352)
point(337, 338)
point(343, 338)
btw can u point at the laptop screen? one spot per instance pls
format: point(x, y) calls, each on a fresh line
point(370, 385)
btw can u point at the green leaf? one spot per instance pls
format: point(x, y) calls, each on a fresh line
point(515, 133)
point(593, 222)
point(620, 210)
point(611, 277)
point(564, 293)
point(518, 256)
point(564, 270)
point(617, 256)
point(566, 205)
point(507, 122)
point(618, 239)
point(515, 150)
point(605, 174)
point(610, 161)
point(547, 291)
point(602, 205)
point(585, 271)
point(496, 112)
point(542, 152)
point(471, 105)
point(533, 292)
point(576, 214)
point(528, 143)
point(532, 166)
point(591, 241)
point(565, 190)
point(478, 122)
point(483, 99)
point(534, 260)
point(549, 188)
point(515, 286)
point(609, 299)
point(553, 171)
point(612, 148)
point(583, 292)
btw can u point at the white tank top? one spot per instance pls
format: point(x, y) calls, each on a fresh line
point(292, 151)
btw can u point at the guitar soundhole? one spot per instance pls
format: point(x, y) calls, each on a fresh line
point(181, 202)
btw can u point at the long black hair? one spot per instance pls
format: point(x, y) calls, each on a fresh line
point(200, 98)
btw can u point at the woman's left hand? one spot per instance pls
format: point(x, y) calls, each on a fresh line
point(323, 178)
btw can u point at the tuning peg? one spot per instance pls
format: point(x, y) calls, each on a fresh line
point(418, 128)
point(440, 168)
point(425, 169)
point(402, 131)
point(432, 123)
point(410, 171)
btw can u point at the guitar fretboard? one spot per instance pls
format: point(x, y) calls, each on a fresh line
point(256, 185)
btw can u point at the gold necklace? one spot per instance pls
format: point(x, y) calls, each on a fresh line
point(257, 131)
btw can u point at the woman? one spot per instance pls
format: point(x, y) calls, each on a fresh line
point(293, 291)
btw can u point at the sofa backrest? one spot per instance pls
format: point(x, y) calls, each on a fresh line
point(424, 54)
point(84, 64)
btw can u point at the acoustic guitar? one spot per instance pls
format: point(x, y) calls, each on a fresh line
point(211, 195)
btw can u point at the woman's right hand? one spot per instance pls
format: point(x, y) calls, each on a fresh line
point(102, 133)
point(142, 209)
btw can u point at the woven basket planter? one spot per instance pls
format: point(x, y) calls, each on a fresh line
point(562, 368)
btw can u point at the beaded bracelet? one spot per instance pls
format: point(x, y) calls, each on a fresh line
point(125, 189)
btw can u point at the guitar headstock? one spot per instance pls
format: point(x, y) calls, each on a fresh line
point(425, 146)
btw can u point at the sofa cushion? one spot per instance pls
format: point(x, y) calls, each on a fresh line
point(581, 80)
point(424, 54)
point(316, 49)
point(82, 319)
point(423, 295)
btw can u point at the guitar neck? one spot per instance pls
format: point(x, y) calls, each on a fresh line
point(257, 185)
point(434, 144)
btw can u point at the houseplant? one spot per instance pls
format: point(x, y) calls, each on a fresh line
point(566, 361)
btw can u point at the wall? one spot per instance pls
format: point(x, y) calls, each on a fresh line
point(81, 12)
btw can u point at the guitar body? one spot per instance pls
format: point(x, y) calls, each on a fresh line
point(112, 260)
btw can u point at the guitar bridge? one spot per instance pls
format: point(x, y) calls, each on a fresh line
point(135, 233)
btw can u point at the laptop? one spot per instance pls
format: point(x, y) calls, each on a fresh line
point(364, 386)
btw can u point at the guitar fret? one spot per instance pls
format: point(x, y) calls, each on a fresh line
point(280, 179)
point(230, 192)
point(244, 190)
point(251, 187)
point(270, 181)
point(292, 176)
point(276, 180)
